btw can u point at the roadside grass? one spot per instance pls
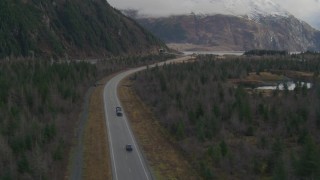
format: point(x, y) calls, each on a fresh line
point(96, 151)
point(166, 160)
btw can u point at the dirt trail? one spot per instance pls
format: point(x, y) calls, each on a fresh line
point(90, 157)
point(96, 151)
point(77, 151)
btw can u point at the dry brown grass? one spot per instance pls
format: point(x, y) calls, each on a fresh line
point(165, 159)
point(274, 76)
point(264, 76)
point(295, 73)
point(96, 151)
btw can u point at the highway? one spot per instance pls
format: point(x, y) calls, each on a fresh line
point(125, 165)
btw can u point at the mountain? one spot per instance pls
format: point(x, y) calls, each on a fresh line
point(244, 25)
point(210, 7)
point(257, 8)
point(250, 8)
point(307, 11)
point(77, 28)
point(226, 32)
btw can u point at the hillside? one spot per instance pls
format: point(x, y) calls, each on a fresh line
point(77, 28)
point(226, 32)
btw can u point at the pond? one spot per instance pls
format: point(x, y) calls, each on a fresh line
point(290, 84)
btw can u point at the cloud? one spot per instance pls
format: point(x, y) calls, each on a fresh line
point(164, 7)
point(301, 8)
point(307, 10)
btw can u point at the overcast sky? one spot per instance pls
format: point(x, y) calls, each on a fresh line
point(307, 10)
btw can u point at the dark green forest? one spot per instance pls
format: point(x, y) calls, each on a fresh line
point(79, 28)
point(229, 131)
point(40, 103)
point(261, 52)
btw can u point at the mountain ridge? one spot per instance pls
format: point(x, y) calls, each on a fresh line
point(236, 33)
point(249, 8)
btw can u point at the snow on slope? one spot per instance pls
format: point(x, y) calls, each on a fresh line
point(251, 8)
point(307, 10)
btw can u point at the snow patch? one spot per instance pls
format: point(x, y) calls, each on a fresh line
point(254, 9)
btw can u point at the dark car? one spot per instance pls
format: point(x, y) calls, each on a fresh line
point(129, 147)
point(118, 111)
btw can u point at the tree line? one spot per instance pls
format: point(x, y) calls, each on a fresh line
point(36, 100)
point(263, 52)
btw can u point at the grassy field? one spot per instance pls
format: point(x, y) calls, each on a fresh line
point(165, 159)
point(264, 76)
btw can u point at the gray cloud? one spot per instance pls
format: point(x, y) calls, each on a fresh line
point(307, 10)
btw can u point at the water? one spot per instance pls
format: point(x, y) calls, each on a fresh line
point(291, 86)
point(220, 53)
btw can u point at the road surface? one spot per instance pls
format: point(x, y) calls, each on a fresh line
point(125, 165)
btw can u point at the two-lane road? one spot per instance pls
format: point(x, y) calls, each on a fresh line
point(125, 165)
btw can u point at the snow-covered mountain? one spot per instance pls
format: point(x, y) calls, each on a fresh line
point(229, 32)
point(306, 10)
point(250, 8)
point(232, 25)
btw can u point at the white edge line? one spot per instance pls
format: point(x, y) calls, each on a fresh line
point(126, 121)
point(109, 134)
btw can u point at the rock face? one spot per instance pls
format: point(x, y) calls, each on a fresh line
point(236, 33)
point(78, 28)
